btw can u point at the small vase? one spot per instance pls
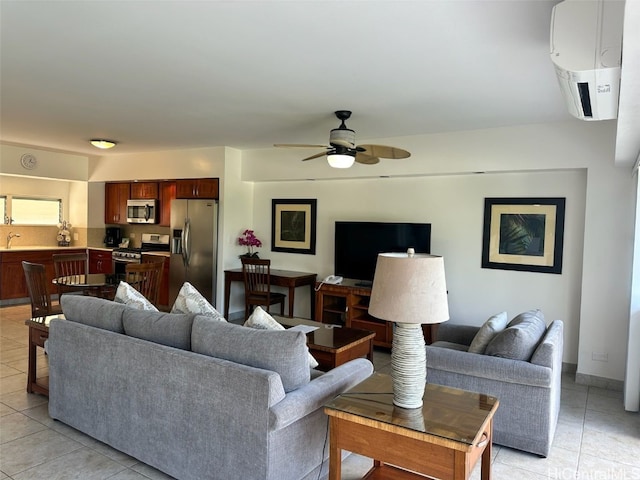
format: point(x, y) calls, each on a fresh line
point(249, 255)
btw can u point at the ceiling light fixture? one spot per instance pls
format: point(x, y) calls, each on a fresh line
point(102, 143)
point(341, 160)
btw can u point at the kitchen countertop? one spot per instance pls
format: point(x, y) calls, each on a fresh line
point(159, 254)
point(33, 248)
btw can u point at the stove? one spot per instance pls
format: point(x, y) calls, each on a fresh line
point(151, 242)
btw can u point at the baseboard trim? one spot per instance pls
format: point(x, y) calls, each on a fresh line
point(600, 382)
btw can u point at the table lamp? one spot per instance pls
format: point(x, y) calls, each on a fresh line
point(409, 289)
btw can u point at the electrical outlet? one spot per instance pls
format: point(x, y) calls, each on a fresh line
point(599, 357)
point(75, 237)
point(132, 235)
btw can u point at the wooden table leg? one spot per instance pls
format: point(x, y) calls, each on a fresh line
point(485, 467)
point(335, 454)
point(312, 300)
point(292, 290)
point(227, 295)
point(31, 371)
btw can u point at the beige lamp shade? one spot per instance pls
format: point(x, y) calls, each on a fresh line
point(409, 288)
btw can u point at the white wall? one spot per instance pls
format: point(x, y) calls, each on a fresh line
point(632, 374)
point(50, 164)
point(236, 204)
point(454, 207)
point(167, 164)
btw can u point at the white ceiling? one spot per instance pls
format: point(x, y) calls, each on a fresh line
point(158, 75)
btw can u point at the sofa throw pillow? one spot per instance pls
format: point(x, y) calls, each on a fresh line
point(521, 337)
point(132, 298)
point(261, 319)
point(190, 300)
point(283, 352)
point(488, 330)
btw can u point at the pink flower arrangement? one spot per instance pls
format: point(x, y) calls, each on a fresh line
point(249, 240)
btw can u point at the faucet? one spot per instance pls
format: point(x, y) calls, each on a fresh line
point(9, 237)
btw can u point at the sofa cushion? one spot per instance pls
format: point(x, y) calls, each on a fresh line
point(93, 311)
point(521, 337)
point(284, 352)
point(173, 330)
point(261, 319)
point(190, 300)
point(132, 298)
point(488, 330)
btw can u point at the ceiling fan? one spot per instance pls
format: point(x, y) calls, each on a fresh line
point(342, 150)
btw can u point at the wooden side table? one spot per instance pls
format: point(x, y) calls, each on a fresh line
point(444, 439)
point(38, 334)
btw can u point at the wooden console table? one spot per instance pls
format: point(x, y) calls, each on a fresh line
point(280, 278)
point(443, 439)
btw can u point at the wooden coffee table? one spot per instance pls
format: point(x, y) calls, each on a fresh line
point(443, 439)
point(333, 345)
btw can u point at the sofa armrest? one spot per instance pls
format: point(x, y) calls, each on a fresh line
point(312, 396)
point(484, 366)
point(454, 333)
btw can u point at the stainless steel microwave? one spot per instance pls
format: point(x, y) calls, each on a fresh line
point(142, 211)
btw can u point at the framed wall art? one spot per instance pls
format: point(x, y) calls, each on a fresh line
point(523, 234)
point(293, 225)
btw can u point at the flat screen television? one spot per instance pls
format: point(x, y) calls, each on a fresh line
point(357, 245)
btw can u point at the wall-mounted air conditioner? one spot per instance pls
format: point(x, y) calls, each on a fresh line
point(586, 49)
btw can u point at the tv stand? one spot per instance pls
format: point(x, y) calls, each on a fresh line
point(347, 304)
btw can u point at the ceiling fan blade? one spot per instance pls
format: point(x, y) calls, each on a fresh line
point(366, 159)
point(317, 155)
point(385, 151)
point(298, 145)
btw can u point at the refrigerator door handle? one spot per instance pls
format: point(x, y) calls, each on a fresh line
point(183, 243)
point(187, 242)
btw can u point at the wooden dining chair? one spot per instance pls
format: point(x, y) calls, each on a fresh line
point(257, 285)
point(146, 278)
point(38, 287)
point(69, 264)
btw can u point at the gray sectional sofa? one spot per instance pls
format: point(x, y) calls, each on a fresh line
point(528, 389)
point(191, 396)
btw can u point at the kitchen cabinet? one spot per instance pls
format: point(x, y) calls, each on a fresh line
point(144, 190)
point(115, 203)
point(167, 193)
point(100, 261)
point(197, 188)
point(12, 282)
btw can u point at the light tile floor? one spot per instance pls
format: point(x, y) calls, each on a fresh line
point(595, 439)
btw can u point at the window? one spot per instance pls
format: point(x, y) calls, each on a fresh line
point(35, 211)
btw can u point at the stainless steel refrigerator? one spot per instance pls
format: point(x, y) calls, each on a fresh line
point(194, 247)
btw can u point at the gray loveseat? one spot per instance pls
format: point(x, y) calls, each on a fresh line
point(191, 396)
point(528, 391)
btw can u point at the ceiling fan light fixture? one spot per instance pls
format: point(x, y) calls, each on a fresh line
point(340, 160)
point(102, 143)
